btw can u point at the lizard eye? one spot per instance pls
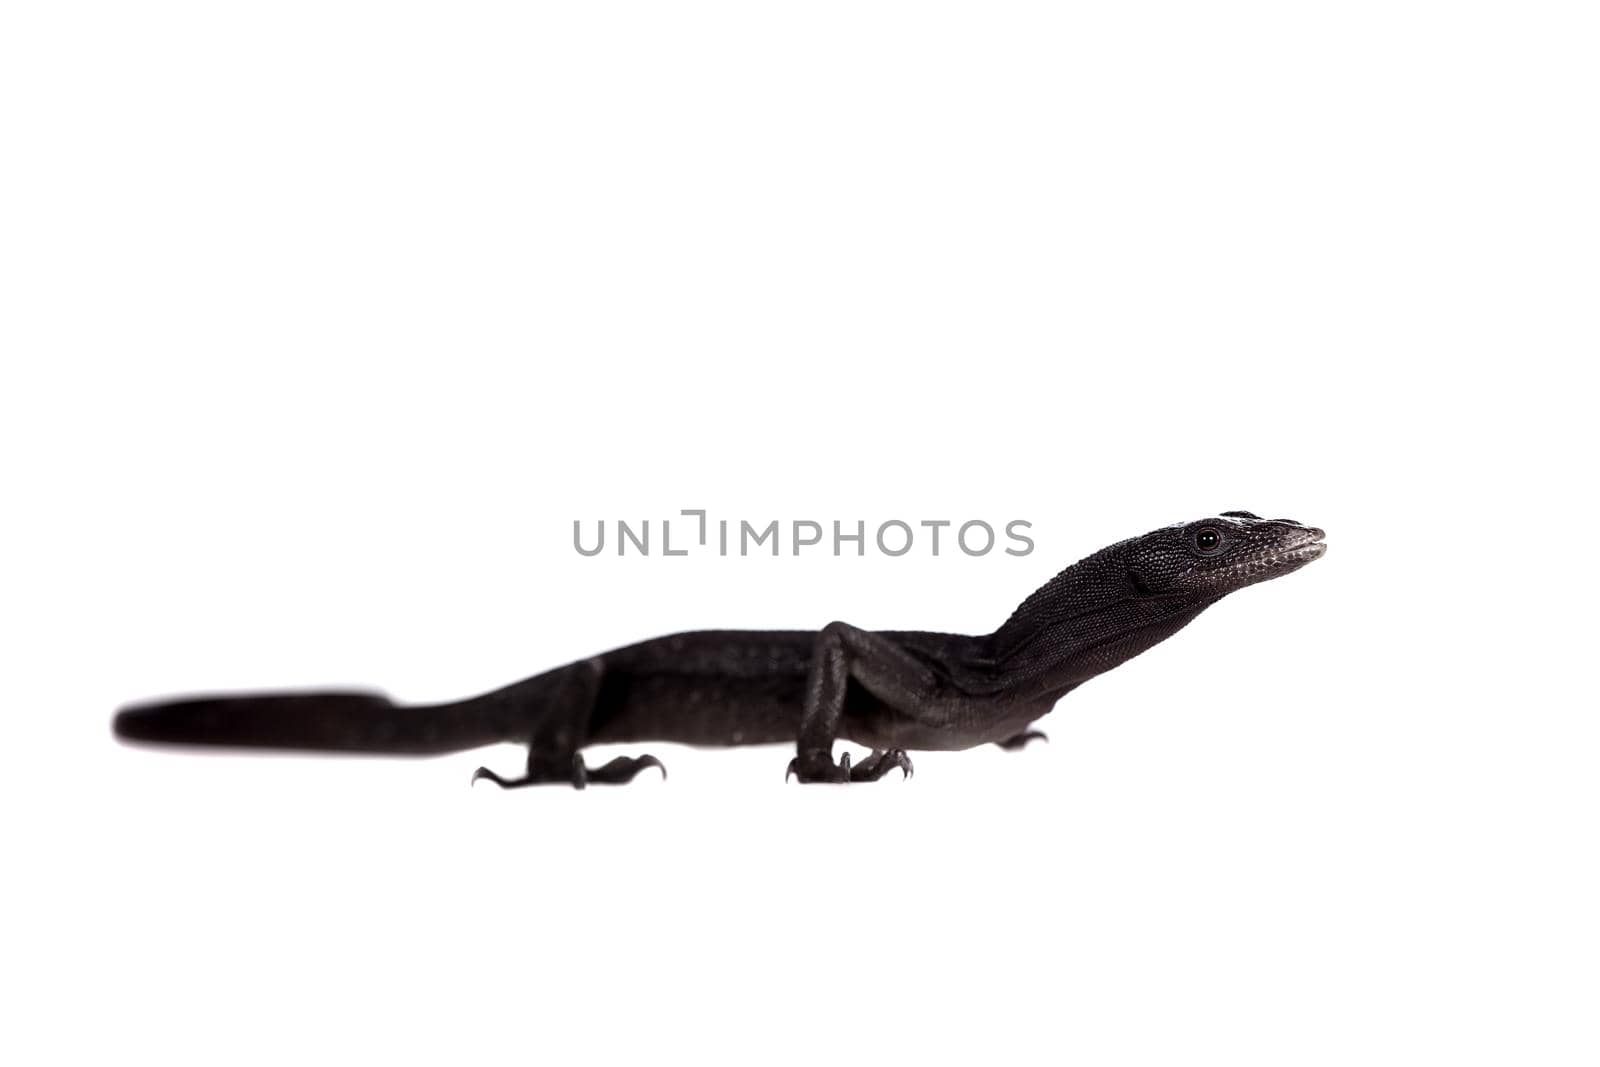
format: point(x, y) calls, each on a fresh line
point(1207, 540)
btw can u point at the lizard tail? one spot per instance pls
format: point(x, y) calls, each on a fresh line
point(318, 722)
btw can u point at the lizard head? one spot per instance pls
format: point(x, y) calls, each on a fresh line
point(1213, 557)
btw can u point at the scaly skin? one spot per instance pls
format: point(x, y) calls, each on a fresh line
point(888, 690)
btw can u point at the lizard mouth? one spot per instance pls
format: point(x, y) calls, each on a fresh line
point(1291, 553)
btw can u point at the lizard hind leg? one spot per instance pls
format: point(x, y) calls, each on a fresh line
point(559, 707)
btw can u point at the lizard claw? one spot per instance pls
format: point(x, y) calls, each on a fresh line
point(484, 772)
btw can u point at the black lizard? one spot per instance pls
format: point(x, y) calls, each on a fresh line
point(889, 690)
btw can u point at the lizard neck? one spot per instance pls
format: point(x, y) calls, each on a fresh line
point(1086, 620)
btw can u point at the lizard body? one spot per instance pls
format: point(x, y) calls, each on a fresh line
point(888, 690)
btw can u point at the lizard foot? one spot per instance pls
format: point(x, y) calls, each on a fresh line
point(622, 770)
point(819, 767)
point(879, 764)
point(1013, 744)
point(618, 771)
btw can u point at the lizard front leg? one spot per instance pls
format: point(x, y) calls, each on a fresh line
point(885, 670)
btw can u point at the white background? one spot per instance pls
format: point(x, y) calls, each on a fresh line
point(322, 322)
